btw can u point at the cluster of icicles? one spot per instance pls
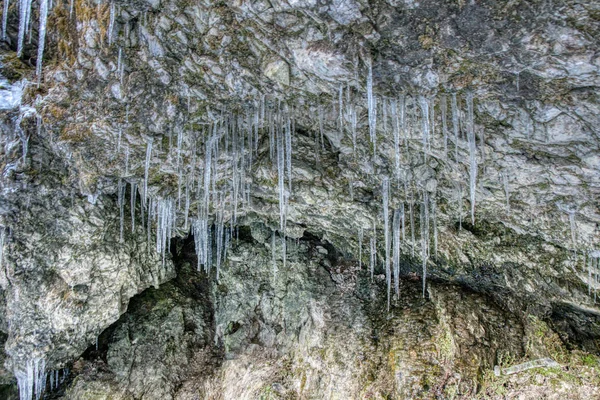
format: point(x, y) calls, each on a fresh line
point(26, 28)
point(33, 380)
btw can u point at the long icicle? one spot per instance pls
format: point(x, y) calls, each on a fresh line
point(386, 221)
point(472, 154)
point(41, 39)
point(396, 250)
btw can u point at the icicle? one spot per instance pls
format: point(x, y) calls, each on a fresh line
point(288, 153)
point(4, 19)
point(460, 205)
point(371, 106)
point(455, 124)
point(220, 232)
point(396, 131)
point(187, 205)
point(280, 179)
point(402, 118)
point(360, 242)
point(412, 225)
point(396, 250)
point(386, 221)
point(41, 39)
point(2, 241)
point(31, 380)
point(435, 230)
point(373, 258)
point(444, 111)
point(590, 261)
point(24, 18)
point(472, 154)
point(111, 23)
point(121, 202)
point(573, 226)
point(431, 121)
point(146, 170)
point(341, 110)
point(164, 225)
point(71, 7)
point(424, 237)
point(132, 205)
point(403, 216)
point(424, 105)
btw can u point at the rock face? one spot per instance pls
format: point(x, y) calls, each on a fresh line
point(330, 199)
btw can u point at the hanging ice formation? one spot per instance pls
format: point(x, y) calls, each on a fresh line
point(24, 21)
point(146, 171)
point(121, 201)
point(593, 272)
point(396, 250)
point(455, 128)
point(424, 105)
point(373, 243)
point(2, 240)
point(31, 379)
point(4, 19)
point(472, 154)
point(360, 242)
point(42, 38)
point(386, 219)
point(444, 111)
point(111, 23)
point(424, 224)
point(371, 106)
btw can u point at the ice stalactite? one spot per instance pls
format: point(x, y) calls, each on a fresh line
point(371, 106)
point(396, 131)
point(455, 124)
point(412, 224)
point(3, 230)
point(111, 23)
point(165, 221)
point(288, 152)
point(433, 213)
point(121, 201)
point(386, 221)
point(341, 110)
point(220, 222)
point(146, 171)
point(4, 19)
point(24, 21)
point(281, 185)
point(373, 245)
point(444, 111)
point(360, 243)
point(424, 224)
point(42, 38)
point(424, 105)
point(396, 250)
point(132, 205)
point(31, 379)
point(273, 256)
point(472, 154)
